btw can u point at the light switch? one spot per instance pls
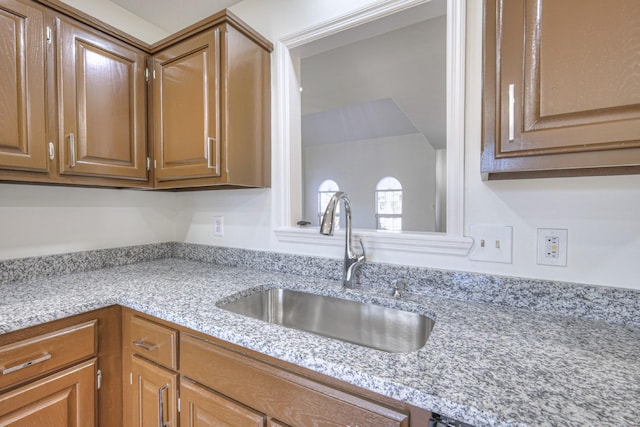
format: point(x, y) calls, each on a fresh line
point(491, 243)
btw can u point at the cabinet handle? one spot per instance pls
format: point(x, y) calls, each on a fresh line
point(72, 150)
point(512, 107)
point(161, 391)
point(210, 165)
point(140, 343)
point(35, 361)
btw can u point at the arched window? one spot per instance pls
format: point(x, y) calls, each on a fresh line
point(327, 189)
point(389, 204)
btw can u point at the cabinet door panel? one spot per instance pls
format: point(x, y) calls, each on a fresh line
point(65, 399)
point(576, 83)
point(22, 87)
point(202, 408)
point(102, 106)
point(186, 110)
point(566, 93)
point(154, 393)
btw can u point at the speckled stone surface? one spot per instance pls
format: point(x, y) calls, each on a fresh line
point(484, 364)
point(55, 265)
point(615, 305)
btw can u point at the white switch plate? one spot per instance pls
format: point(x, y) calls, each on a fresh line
point(491, 243)
point(218, 226)
point(552, 246)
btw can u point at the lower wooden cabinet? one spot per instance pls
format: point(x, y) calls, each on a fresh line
point(201, 407)
point(63, 373)
point(220, 384)
point(67, 398)
point(282, 395)
point(153, 394)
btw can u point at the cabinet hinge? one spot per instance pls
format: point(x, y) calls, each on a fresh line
point(148, 164)
point(49, 35)
point(99, 374)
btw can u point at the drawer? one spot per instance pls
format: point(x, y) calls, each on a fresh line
point(153, 342)
point(298, 400)
point(26, 359)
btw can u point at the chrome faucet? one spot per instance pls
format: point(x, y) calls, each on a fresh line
point(352, 260)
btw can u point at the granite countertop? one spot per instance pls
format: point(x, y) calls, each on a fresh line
point(483, 364)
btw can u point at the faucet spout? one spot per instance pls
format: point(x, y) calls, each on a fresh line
point(352, 259)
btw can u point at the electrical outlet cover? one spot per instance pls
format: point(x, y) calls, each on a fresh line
point(491, 243)
point(552, 246)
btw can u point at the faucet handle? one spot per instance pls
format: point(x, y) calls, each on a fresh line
point(362, 257)
point(399, 286)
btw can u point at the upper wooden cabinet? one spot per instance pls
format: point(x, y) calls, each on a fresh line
point(74, 100)
point(101, 105)
point(561, 90)
point(211, 102)
point(23, 101)
point(186, 109)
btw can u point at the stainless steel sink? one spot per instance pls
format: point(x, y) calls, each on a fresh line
point(387, 329)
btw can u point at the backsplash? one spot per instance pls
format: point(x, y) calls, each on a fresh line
point(615, 305)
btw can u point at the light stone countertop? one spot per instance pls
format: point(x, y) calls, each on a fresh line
point(483, 364)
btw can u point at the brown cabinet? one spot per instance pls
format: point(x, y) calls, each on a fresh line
point(283, 395)
point(67, 398)
point(561, 94)
point(186, 110)
point(101, 105)
point(153, 395)
point(150, 364)
point(219, 385)
point(201, 407)
point(50, 374)
point(74, 95)
point(23, 100)
point(28, 358)
point(211, 107)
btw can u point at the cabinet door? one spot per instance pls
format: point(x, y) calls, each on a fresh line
point(101, 85)
point(60, 400)
point(201, 407)
point(23, 143)
point(153, 390)
point(567, 92)
point(186, 109)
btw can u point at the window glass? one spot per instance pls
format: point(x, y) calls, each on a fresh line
point(389, 204)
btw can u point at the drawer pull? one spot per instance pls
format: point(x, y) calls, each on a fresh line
point(40, 359)
point(161, 390)
point(140, 343)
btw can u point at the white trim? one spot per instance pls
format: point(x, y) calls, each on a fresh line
point(288, 134)
point(431, 243)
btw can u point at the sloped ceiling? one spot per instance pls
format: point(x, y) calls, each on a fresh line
point(405, 65)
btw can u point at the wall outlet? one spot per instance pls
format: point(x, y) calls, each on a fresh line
point(218, 226)
point(491, 243)
point(552, 246)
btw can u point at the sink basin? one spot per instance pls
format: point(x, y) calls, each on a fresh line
point(387, 329)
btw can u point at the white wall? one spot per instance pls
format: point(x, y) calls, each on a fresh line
point(38, 220)
point(601, 213)
point(357, 166)
point(118, 17)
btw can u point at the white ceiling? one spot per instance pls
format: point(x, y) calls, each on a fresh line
point(405, 65)
point(171, 15)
